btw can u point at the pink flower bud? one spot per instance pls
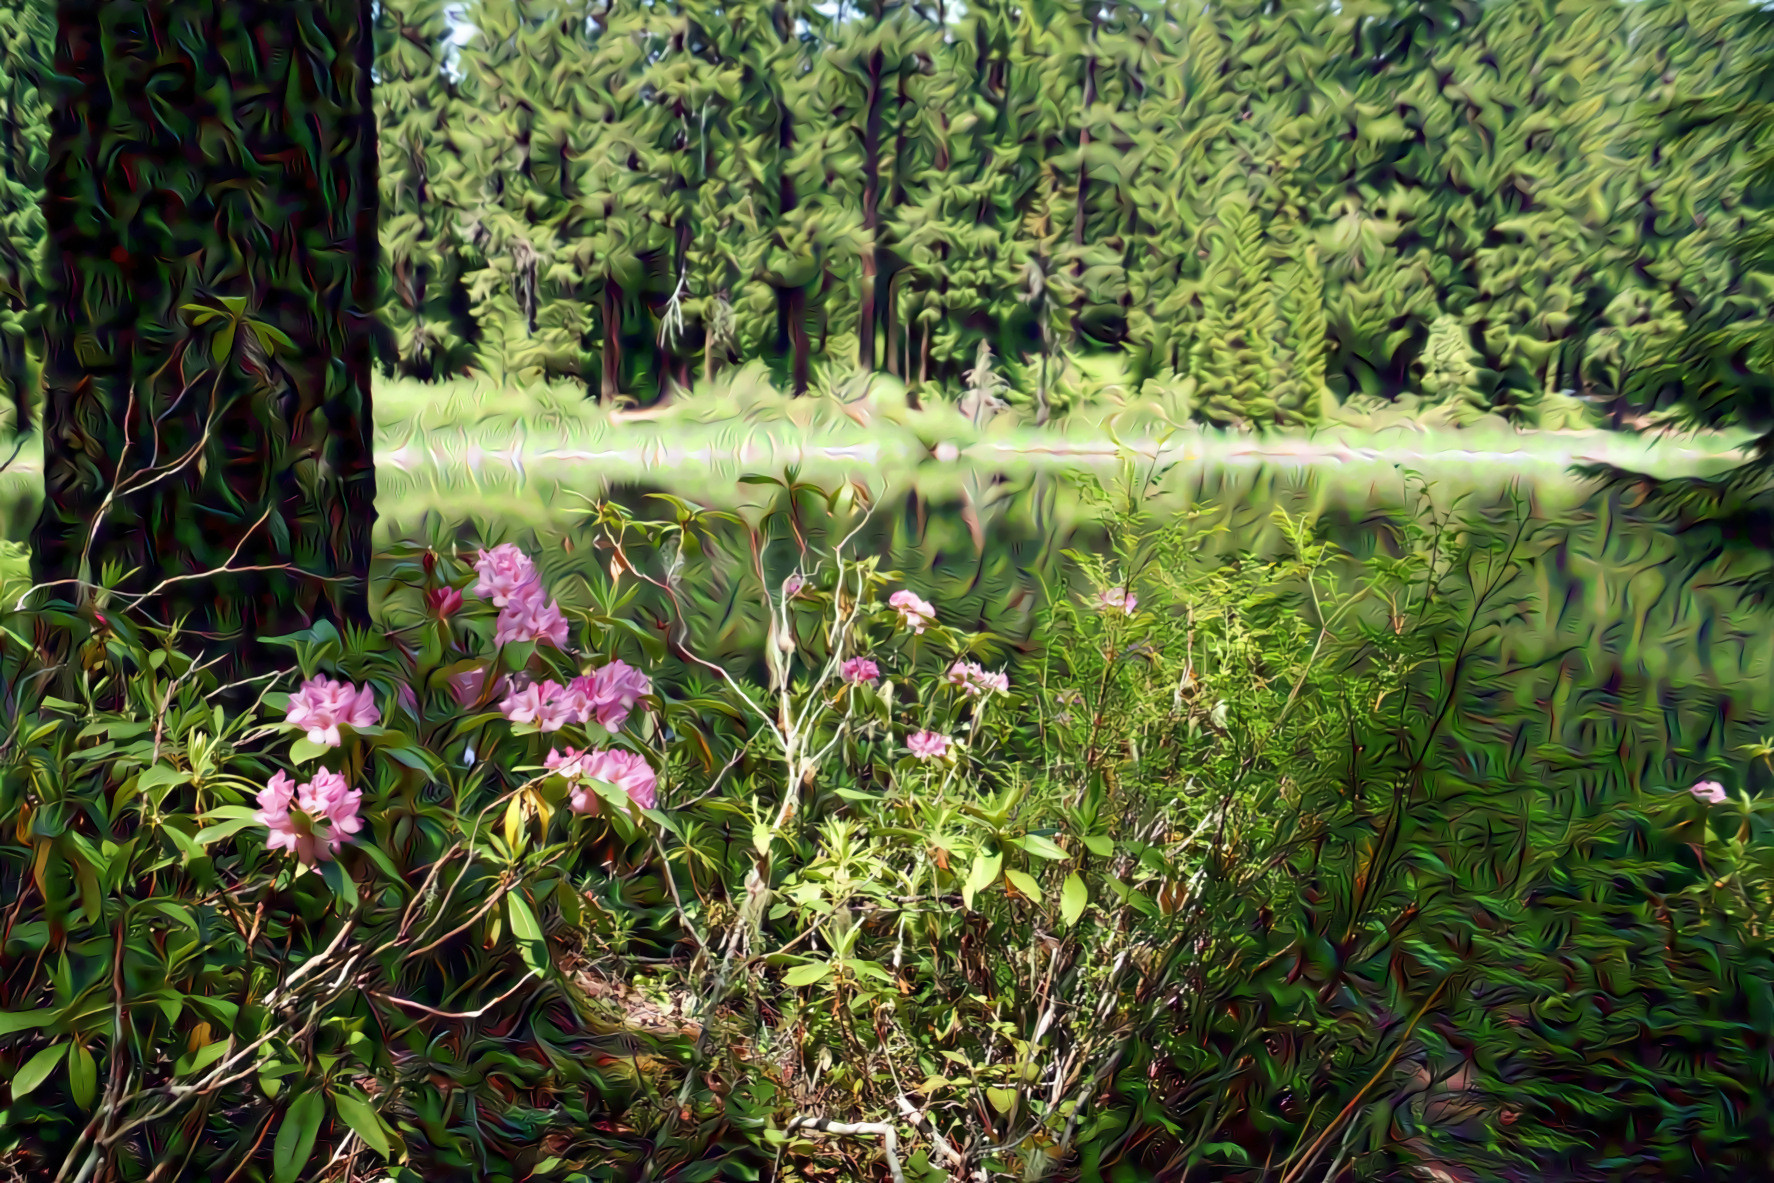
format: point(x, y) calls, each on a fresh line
point(443, 602)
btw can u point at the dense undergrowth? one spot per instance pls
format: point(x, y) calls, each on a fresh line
point(1241, 872)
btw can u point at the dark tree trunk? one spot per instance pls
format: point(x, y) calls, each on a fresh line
point(611, 382)
point(186, 119)
point(871, 214)
point(800, 349)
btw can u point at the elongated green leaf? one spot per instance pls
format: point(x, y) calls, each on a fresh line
point(806, 975)
point(1042, 847)
point(363, 1120)
point(161, 774)
point(25, 1020)
point(983, 873)
point(530, 943)
point(295, 1137)
point(342, 884)
point(232, 826)
point(222, 344)
point(36, 1070)
point(83, 1076)
point(1072, 899)
point(1024, 883)
point(305, 749)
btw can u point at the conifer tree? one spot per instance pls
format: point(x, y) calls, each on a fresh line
point(1235, 353)
point(27, 35)
point(419, 218)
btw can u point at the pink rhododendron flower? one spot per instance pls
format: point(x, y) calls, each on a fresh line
point(403, 694)
point(973, 679)
point(626, 770)
point(1710, 791)
point(564, 762)
point(615, 688)
point(792, 586)
point(325, 810)
point(522, 704)
point(558, 708)
point(579, 698)
point(928, 745)
point(1119, 599)
point(860, 669)
point(274, 812)
point(530, 616)
point(505, 571)
point(443, 602)
point(322, 704)
point(914, 612)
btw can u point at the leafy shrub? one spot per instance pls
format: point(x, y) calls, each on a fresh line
point(1229, 873)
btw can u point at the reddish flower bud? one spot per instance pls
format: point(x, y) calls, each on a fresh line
point(429, 561)
point(443, 602)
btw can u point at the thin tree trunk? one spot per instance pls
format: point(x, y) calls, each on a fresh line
point(892, 315)
point(799, 348)
point(270, 466)
point(611, 382)
point(871, 214)
point(1083, 181)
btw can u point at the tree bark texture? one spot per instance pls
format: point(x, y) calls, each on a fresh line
point(206, 151)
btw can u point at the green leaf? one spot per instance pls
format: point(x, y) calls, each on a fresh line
point(806, 975)
point(1072, 899)
point(869, 969)
point(342, 884)
point(530, 943)
point(983, 874)
point(295, 1137)
point(305, 749)
point(222, 344)
point(383, 863)
point(161, 774)
point(1024, 883)
point(1003, 1100)
point(36, 1070)
point(270, 335)
point(25, 1020)
point(360, 1117)
point(230, 827)
point(1100, 845)
point(83, 1076)
point(1042, 847)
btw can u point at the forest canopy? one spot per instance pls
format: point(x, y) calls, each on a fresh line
point(1490, 208)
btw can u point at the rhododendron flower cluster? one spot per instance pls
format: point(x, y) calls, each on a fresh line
point(860, 669)
point(325, 811)
point(504, 572)
point(914, 612)
point(1119, 599)
point(1710, 791)
point(626, 770)
point(531, 616)
point(928, 745)
point(607, 694)
point(509, 579)
point(974, 679)
point(322, 704)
